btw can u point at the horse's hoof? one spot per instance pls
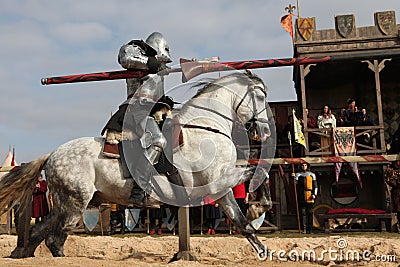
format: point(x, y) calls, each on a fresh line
point(19, 253)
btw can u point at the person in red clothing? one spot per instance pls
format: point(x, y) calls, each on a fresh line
point(40, 208)
point(241, 194)
point(211, 214)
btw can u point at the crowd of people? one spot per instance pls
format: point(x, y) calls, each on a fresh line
point(350, 116)
point(327, 119)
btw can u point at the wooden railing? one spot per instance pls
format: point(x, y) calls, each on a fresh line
point(367, 141)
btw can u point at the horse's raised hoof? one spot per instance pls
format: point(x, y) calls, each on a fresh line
point(20, 253)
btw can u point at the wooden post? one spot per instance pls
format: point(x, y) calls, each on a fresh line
point(201, 224)
point(184, 236)
point(303, 73)
point(376, 67)
point(377, 70)
point(278, 200)
point(184, 229)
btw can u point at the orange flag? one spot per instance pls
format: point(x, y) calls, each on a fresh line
point(287, 24)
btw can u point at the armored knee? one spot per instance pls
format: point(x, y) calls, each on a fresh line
point(153, 140)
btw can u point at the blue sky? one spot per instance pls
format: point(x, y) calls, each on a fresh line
point(44, 38)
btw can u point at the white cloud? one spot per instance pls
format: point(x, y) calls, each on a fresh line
point(84, 34)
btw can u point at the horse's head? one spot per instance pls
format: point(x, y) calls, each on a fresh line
point(251, 108)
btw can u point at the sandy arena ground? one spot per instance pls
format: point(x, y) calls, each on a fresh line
point(130, 250)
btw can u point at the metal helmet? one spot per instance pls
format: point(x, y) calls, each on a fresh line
point(157, 41)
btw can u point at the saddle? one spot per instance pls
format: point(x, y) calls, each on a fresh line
point(112, 142)
point(113, 139)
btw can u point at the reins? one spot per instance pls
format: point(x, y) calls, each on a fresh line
point(210, 129)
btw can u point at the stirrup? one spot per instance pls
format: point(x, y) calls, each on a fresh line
point(151, 202)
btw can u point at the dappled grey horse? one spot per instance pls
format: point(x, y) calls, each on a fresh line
point(206, 161)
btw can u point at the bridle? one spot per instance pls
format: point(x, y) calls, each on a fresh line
point(251, 125)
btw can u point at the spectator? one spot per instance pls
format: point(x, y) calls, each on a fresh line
point(117, 217)
point(311, 122)
point(241, 194)
point(211, 214)
point(40, 208)
point(156, 219)
point(366, 119)
point(340, 120)
point(326, 120)
point(352, 116)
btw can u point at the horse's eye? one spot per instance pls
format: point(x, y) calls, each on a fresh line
point(260, 97)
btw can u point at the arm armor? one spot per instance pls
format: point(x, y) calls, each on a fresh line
point(131, 56)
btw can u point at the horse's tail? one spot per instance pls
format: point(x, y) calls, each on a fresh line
point(18, 184)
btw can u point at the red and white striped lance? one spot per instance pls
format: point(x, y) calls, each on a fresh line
point(311, 160)
point(321, 160)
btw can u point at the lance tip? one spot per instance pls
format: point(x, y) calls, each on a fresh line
point(43, 81)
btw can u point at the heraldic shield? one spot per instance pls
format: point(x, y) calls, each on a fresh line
point(386, 22)
point(131, 218)
point(345, 24)
point(170, 221)
point(91, 218)
point(306, 27)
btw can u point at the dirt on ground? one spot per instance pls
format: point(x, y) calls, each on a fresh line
point(373, 249)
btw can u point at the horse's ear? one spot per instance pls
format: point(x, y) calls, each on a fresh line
point(248, 73)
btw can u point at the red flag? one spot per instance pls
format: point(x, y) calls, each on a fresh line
point(287, 24)
point(13, 158)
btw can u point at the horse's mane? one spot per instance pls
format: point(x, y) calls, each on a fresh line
point(210, 84)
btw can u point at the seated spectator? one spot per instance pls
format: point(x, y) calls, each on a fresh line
point(366, 119)
point(311, 122)
point(340, 120)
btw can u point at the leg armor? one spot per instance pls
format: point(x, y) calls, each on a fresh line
point(152, 140)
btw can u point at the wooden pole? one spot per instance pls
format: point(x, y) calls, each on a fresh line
point(184, 236)
point(294, 183)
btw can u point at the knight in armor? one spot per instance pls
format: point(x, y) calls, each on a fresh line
point(137, 122)
point(307, 189)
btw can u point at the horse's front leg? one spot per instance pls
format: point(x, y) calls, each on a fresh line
point(233, 212)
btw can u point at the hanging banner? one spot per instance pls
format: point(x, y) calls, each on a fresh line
point(344, 142)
